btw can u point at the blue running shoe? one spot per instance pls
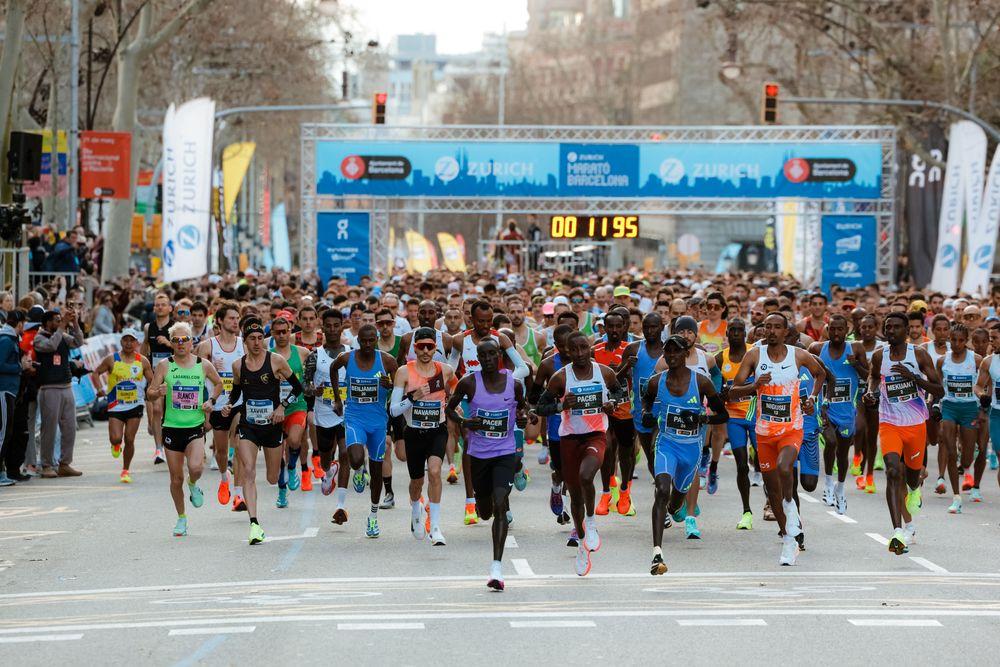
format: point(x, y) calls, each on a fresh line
point(991, 457)
point(520, 480)
point(294, 480)
point(713, 482)
point(691, 528)
point(359, 480)
point(681, 514)
point(556, 503)
point(181, 528)
point(372, 530)
point(706, 457)
point(196, 495)
point(282, 501)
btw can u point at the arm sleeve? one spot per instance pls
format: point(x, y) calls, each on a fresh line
point(398, 403)
point(234, 395)
point(619, 395)
point(716, 375)
point(721, 415)
point(520, 368)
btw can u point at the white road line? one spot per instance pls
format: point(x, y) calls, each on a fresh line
point(380, 626)
point(806, 497)
point(895, 622)
point(309, 532)
point(933, 567)
point(720, 621)
point(239, 629)
point(511, 543)
point(39, 638)
point(878, 538)
point(841, 517)
point(521, 567)
point(552, 624)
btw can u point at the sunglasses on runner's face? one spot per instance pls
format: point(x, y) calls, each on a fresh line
point(183, 311)
point(713, 306)
point(180, 340)
point(425, 346)
point(383, 323)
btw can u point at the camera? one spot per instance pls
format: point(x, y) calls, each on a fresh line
point(13, 217)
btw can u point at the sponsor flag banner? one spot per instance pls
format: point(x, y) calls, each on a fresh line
point(279, 238)
point(344, 245)
point(419, 258)
point(187, 188)
point(924, 186)
point(450, 252)
point(460, 240)
point(235, 162)
point(786, 226)
point(848, 251)
point(105, 165)
point(43, 186)
point(981, 239)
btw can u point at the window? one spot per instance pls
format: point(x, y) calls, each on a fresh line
point(619, 8)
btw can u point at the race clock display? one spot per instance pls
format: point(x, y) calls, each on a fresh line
point(598, 227)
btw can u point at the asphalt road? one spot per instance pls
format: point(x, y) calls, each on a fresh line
point(90, 572)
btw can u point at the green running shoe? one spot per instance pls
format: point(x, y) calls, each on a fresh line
point(196, 496)
point(294, 480)
point(914, 501)
point(256, 534)
point(372, 530)
point(879, 461)
point(746, 522)
point(181, 529)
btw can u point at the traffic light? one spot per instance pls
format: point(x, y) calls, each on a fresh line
point(769, 106)
point(378, 108)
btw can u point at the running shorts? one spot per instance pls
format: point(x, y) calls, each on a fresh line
point(555, 456)
point(995, 430)
point(624, 433)
point(740, 432)
point(808, 460)
point(906, 442)
point(575, 448)
point(963, 413)
point(327, 437)
point(421, 444)
point(844, 425)
point(178, 439)
point(372, 436)
point(492, 478)
point(268, 436)
point(125, 415)
point(677, 460)
point(768, 448)
point(220, 423)
point(294, 419)
point(397, 427)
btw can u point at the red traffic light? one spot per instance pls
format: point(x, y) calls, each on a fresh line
point(771, 90)
point(380, 98)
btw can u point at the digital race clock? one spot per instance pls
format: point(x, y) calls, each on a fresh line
point(601, 227)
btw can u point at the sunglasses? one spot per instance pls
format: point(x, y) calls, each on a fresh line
point(180, 340)
point(576, 299)
point(712, 306)
point(385, 322)
point(183, 311)
point(425, 346)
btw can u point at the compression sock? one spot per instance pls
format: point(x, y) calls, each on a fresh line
point(341, 497)
point(293, 458)
point(713, 467)
point(435, 515)
point(282, 478)
point(387, 483)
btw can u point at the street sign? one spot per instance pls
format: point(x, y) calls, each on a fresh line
point(105, 165)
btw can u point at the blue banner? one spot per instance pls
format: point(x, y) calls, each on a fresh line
point(849, 247)
point(706, 170)
point(343, 246)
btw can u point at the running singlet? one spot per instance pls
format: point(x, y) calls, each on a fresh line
point(323, 412)
point(366, 397)
point(959, 378)
point(223, 361)
point(126, 384)
point(995, 381)
point(469, 362)
point(811, 331)
point(669, 410)
point(611, 359)
point(743, 408)
point(497, 413)
point(841, 399)
point(779, 404)
point(701, 365)
point(426, 412)
point(530, 348)
point(185, 393)
point(935, 355)
point(394, 350)
point(588, 415)
point(157, 350)
point(642, 370)
point(552, 423)
point(712, 341)
point(902, 403)
point(261, 391)
point(439, 356)
point(810, 423)
point(312, 347)
point(299, 404)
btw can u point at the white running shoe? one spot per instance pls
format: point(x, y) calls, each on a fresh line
point(496, 577)
point(437, 537)
point(543, 456)
point(212, 463)
point(582, 560)
point(417, 526)
point(756, 479)
point(828, 496)
point(842, 504)
point(592, 539)
point(329, 482)
point(910, 533)
point(789, 551)
point(793, 524)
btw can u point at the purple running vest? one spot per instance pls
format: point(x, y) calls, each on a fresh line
point(497, 412)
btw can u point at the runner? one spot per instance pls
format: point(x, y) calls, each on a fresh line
point(421, 390)
point(988, 389)
point(814, 324)
point(958, 412)
point(390, 343)
point(673, 402)
point(295, 422)
point(128, 374)
point(640, 359)
point(156, 348)
point(870, 457)
point(775, 367)
point(900, 373)
point(740, 428)
point(585, 393)
point(183, 376)
point(310, 337)
point(368, 377)
point(621, 434)
point(257, 378)
point(937, 348)
point(495, 405)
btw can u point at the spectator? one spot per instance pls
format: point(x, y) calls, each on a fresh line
point(10, 386)
point(56, 401)
point(103, 316)
point(63, 258)
point(37, 254)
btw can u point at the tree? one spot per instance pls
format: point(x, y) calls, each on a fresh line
point(9, 60)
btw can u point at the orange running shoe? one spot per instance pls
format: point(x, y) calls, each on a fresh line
point(340, 516)
point(452, 475)
point(624, 502)
point(870, 484)
point(307, 482)
point(603, 504)
point(471, 516)
point(223, 494)
point(116, 450)
point(318, 471)
point(239, 505)
point(968, 482)
point(860, 482)
point(427, 516)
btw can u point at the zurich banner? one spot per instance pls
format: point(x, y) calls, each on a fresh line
point(642, 170)
point(343, 246)
point(848, 253)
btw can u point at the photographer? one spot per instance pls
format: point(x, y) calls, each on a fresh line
point(57, 336)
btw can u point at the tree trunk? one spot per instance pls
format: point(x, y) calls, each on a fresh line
point(9, 61)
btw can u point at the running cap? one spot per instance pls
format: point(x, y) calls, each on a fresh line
point(685, 323)
point(680, 342)
point(131, 333)
point(622, 290)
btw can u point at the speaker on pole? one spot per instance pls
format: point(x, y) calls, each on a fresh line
point(24, 157)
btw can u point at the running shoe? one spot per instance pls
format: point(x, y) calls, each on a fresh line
point(879, 461)
point(800, 539)
point(746, 522)
point(543, 456)
point(563, 518)
point(359, 480)
point(968, 482)
point(828, 496)
point(768, 513)
point(991, 458)
point(521, 479)
point(702, 481)
point(293, 478)
point(212, 463)
point(713, 482)
point(452, 475)
point(510, 517)
point(556, 503)
point(339, 516)
point(615, 490)
point(756, 479)
point(789, 551)
point(417, 526)
point(388, 502)
point(706, 458)
point(870, 484)
point(603, 504)
point(574, 539)
point(307, 482)
point(116, 450)
point(223, 494)
point(329, 482)
point(239, 505)
point(195, 495)
point(860, 482)
point(495, 581)
point(181, 528)
point(256, 534)
point(437, 537)
point(372, 530)
point(427, 515)
point(624, 505)
point(940, 488)
point(856, 466)
point(681, 513)
point(470, 514)
point(976, 495)
point(667, 521)
point(897, 544)
point(592, 539)
point(691, 528)
point(910, 533)
point(317, 471)
point(914, 501)
point(158, 457)
point(955, 507)
point(282, 501)
point(842, 504)
point(125, 477)
point(582, 561)
point(657, 566)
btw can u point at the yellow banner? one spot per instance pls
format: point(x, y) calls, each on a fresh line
point(451, 252)
point(392, 250)
point(235, 162)
point(419, 259)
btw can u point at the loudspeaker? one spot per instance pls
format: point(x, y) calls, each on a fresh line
point(24, 157)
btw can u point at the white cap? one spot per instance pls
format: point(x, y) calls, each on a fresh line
point(560, 301)
point(134, 333)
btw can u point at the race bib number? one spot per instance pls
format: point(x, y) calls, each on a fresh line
point(286, 389)
point(588, 400)
point(996, 391)
point(329, 395)
point(227, 382)
point(159, 356)
point(899, 389)
point(259, 411)
point(127, 392)
point(363, 390)
point(495, 423)
point(426, 414)
point(841, 391)
point(185, 397)
point(681, 423)
point(960, 386)
point(776, 408)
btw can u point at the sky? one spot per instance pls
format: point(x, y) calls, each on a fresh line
point(459, 24)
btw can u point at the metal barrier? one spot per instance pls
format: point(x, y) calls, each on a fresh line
point(14, 271)
point(562, 256)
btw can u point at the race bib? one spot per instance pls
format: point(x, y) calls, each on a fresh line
point(495, 423)
point(227, 382)
point(996, 391)
point(286, 389)
point(841, 391)
point(259, 411)
point(426, 414)
point(960, 386)
point(159, 356)
point(127, 392)
point(775, 408)
point(588, 400)
point(676, 422)
point(329, 395)
point(363, 390)
point(899, 389)
point(185, 397)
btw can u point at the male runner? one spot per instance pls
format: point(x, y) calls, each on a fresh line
point(183, 376)
point(959, 411)
point(295, 422)
point(740, 428)
point(495, 403)
point(310, 337)
point(621, 434)
point(775, 367)
point(156, 348)
point(549, 366)
point(937, 348)
point(865, 464)
point(899, 372)
point(640, 359)
point(128, 374)
point(814, 324)
point(988, 389)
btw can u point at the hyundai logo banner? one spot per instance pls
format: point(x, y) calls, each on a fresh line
point(848, 253)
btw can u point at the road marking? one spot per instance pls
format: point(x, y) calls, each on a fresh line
point(841, 517)
point(239, 629)
point(552, 624)
point(806, 497)
point(720, 621)
point(309, 532)
point(895, 622)
point(878, 538)
point(511, 543)
point(933, 567)
point(24, 534)
point(39, 638)
point(521, 567)
point(380, 626)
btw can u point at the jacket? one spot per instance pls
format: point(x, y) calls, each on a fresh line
point(10, 361)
